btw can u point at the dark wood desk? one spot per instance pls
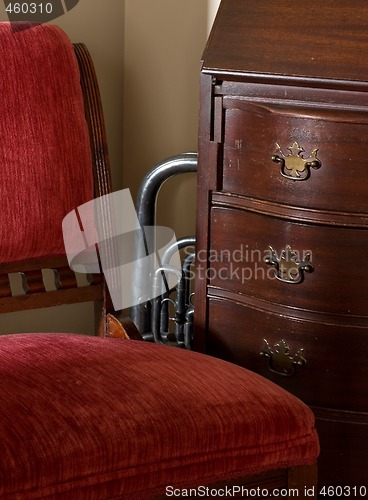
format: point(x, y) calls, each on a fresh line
point(282, 271)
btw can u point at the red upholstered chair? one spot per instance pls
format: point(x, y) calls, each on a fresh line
point(91, 417)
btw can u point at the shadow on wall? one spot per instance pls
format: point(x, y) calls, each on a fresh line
point(164, 41)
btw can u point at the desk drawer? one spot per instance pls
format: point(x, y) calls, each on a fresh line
point(312, 267)
point(305, 157)
point(335, 371)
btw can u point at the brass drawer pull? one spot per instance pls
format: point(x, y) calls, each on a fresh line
point(294, 166)
point(279, 359)
point(288, 268)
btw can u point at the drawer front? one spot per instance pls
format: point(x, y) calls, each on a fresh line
point(270, 154)
point(335, 372)
point(312, 267)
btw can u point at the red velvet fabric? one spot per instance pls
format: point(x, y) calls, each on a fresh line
point(45, 159)
point(92, 418)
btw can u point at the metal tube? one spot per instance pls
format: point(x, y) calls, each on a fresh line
point(152, 182)
point(156, 308)
point(146, 211)
point(188, 328)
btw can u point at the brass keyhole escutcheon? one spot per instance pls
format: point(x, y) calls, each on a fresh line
point(280, 360)
point(294, 166)
point(288, 267)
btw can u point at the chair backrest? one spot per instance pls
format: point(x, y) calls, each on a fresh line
point(53, 158)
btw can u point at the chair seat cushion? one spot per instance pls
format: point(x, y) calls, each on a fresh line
point(88, 417)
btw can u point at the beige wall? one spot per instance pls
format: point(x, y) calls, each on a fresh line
point(212, 7)
point(164, 40)
point(100, 25)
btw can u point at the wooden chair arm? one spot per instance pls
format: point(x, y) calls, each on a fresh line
point(122, 328)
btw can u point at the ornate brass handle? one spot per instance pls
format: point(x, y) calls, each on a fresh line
point(294, 166)
point(287, 267)
point(280, 361)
